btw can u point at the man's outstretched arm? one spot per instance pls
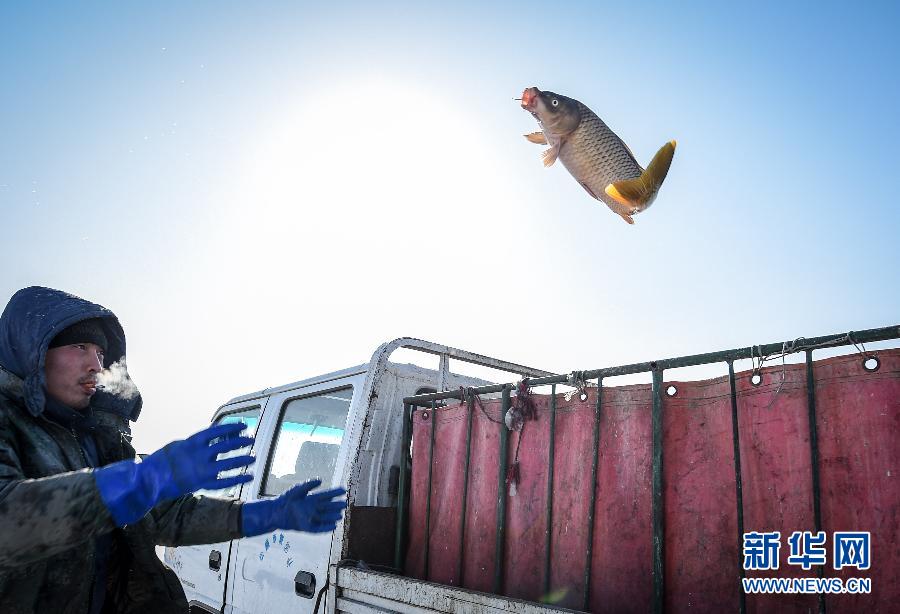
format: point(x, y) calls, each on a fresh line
point(43, 517)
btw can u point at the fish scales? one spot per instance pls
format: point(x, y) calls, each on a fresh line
point(596, 156)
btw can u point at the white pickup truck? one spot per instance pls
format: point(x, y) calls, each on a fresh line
point(345, 427)
point(444, 502)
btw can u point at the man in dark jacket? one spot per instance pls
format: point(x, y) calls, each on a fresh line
point(79, 516)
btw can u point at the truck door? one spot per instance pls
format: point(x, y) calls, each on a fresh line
point(284, 571)
point(202, 569)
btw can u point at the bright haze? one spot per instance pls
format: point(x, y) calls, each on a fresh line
point(266, 192)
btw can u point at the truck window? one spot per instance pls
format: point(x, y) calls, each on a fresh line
point(250, 417)
point(308, 440)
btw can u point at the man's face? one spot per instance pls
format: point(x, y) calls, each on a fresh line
point(71, 373)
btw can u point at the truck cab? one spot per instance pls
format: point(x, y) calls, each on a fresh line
point(344, 428)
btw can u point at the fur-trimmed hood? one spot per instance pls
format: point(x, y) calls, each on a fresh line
point(32, 318)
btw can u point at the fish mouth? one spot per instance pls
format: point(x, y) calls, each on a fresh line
point(529, 98)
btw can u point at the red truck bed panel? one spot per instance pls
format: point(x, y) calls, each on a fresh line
point(858, 422)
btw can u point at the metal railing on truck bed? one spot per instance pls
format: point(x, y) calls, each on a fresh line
point(657, 368)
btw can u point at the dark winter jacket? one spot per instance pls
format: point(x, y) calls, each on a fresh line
point(51, 513)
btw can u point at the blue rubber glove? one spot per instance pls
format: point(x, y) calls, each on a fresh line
point(295, 510)
point(131, 489)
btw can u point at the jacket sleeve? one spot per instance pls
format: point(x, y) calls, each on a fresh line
point(194, 519)
point(43, 517)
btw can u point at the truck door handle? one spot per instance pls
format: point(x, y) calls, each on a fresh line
point(215, 560)
point(305, 584)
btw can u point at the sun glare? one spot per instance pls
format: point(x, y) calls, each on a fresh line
point(353, 165)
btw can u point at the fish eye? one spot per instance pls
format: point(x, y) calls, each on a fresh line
point(555, 102)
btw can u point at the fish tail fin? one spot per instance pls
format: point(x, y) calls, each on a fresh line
point(659, 165)
point(641, 191)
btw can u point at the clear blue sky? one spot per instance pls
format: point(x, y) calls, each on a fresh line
point(266, 191)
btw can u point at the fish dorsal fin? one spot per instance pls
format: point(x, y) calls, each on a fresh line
point(537, 137)
point(628, 149)
point(625, 213)
point(588, 190)
point(640, 191)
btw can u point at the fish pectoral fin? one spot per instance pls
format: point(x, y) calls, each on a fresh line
point(537, 138)
point(550, 156)
point(627, 218)
point(640, 191)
